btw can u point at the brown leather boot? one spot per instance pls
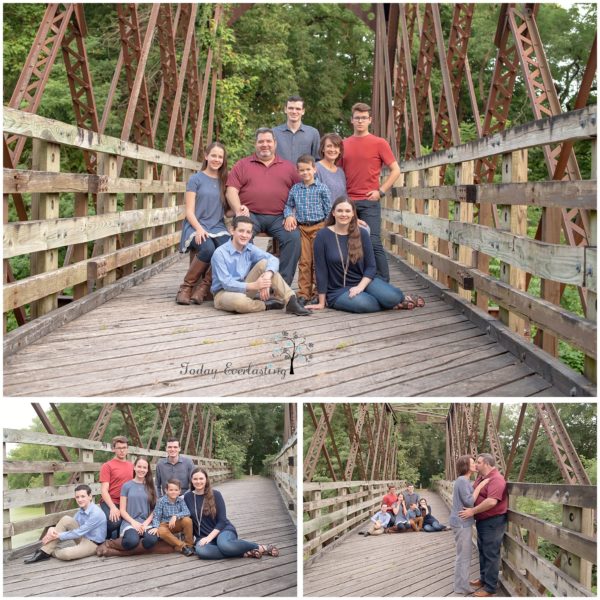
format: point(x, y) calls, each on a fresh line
point(202, 291)
point(196, 269)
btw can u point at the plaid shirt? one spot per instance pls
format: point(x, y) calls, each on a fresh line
point(165, 509)
point(311, 203)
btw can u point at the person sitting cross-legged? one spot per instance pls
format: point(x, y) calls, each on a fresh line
point(380, 521)
point(87, 530)
point(241, 271)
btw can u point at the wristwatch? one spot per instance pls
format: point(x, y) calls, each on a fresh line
point(381, 193)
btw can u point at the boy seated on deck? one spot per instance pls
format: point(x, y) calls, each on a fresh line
point(380, 521)
point(414, 517)
point(171, 516)
point(87, 529)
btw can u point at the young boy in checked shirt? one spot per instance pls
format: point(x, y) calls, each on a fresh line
point(171, 516)
point(307, 206)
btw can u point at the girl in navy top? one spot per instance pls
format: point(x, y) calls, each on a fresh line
point(345, 267)
point(215, 535)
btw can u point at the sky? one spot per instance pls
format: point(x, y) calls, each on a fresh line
point(20, 414)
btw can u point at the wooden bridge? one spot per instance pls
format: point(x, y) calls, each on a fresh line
point(101, 320)
point(418, 564)
point(262, 509)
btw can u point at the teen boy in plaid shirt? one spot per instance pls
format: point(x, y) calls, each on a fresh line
point(308, 204)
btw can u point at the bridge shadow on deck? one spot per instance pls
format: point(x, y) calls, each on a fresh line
point(255, 508)
point(416, 564)
point(139, 343)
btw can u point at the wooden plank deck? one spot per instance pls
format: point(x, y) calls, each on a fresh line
point(138, 344)
point(253, 505)
point(416, 564)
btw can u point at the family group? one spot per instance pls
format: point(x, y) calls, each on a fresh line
point(139, 513)
point(318, 197)
point(483, 503)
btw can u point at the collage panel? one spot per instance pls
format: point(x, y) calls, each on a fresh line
point(140, 499)
point(438, 499)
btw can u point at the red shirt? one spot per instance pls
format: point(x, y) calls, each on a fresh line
point(263, 189)
point(116, 472)
point(389, 499)
point(363, 158)
point(496, 488)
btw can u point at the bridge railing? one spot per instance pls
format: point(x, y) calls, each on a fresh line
point(134, 224)
point(49, 493)
point(282, 468)
point(334, 509)
point(525, 572)
point(433, 227)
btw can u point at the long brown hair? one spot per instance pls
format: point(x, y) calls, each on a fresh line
point(148, 482)
point(355, 247)
point(223, 170)
point(208, 506)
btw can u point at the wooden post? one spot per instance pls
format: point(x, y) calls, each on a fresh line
point(514, 218)
point(128, 238)
point(573, 565)
point(589, 367)
point(107, 203)
point(419, 209)
point(432, 208)
point(412, 181)
point(6, 541)
point(45, 206)
point(399, 205)
point(80, 251)
point(145, 202)
point(464, 176)
point(314, 496)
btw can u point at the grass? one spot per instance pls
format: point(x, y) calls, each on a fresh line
point(22, 514)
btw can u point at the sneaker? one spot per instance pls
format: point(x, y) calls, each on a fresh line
point(293, 307)
point(302, 301)
point(187, 551)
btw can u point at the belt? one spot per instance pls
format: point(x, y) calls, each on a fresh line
point(307, 224)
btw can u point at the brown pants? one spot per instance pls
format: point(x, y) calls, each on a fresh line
point(307, 286)
point(184, 524)
point(246, 303)
point(416, 523)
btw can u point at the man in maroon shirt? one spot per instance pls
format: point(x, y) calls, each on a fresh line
point(258, 187)
point(490, 519)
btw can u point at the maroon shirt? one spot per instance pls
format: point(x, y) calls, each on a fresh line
point(263, 189)
point(496, 488)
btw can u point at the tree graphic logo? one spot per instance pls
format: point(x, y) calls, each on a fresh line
point(293, 346)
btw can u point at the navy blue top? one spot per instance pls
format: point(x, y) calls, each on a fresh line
point(328, 263)
point(206, 522)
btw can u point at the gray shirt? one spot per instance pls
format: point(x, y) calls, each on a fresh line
point(208, 208)
point(181, 470)
point(291, 146)
point(410, 498)
point(336, 182)
point(138, 505)
point(462, 497)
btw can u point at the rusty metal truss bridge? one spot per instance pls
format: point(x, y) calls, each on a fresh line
point(369, 434)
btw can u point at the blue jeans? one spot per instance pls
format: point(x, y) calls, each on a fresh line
point(207, 248)
point(227, 545)
point(370, 212)
point(112, 527)
point(433, 526)
point(289, 242)
point(490, 533)
point(131, 538)
point(378, 295)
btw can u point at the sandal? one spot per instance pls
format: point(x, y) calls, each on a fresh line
point(270, 550)
point(420, 302)
point(407, 304)
point(256, 553)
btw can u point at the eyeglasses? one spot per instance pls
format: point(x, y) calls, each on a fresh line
point(360, 118)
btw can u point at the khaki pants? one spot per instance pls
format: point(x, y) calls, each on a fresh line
point(184, 524)
point(307, 285)
point(374, 530)
point(83, 547)
point(245, 303)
